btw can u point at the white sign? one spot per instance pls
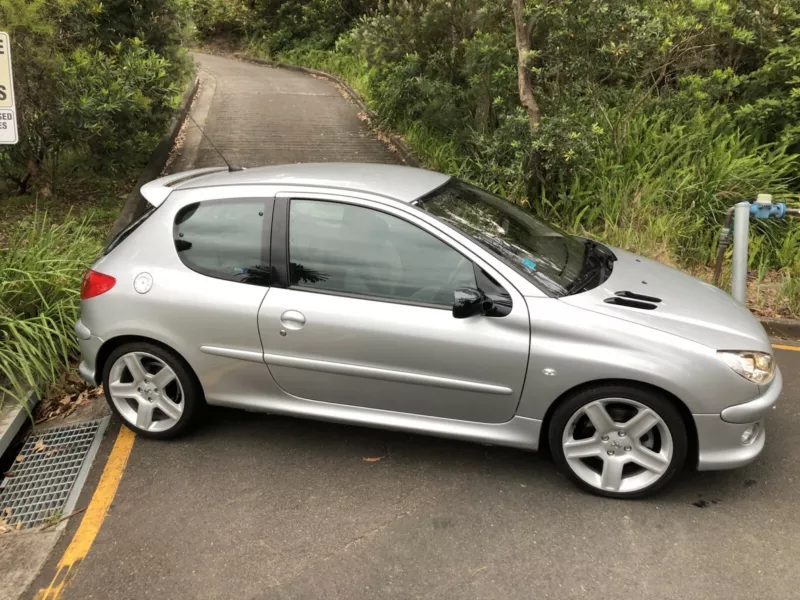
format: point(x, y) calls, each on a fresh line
point(8, 111)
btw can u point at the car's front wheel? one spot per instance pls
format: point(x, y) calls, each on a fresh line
point(151, 389)
point(618, 440)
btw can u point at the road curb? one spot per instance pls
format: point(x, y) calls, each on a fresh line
point(405, 153)
point(782, 328)
point(12, 423)
point(134, 203)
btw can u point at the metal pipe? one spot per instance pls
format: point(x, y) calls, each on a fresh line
point(741, 232)
point(724, 242)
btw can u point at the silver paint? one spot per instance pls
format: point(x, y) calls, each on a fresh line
point(416, 368)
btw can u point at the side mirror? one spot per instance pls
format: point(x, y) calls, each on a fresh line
point(468, 302)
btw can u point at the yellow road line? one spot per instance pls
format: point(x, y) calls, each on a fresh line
point(93, 518)
point(792, 348)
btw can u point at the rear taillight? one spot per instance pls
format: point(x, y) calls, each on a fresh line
point(95, 283)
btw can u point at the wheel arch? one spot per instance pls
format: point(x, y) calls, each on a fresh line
point(112, 344)
point(686, 414)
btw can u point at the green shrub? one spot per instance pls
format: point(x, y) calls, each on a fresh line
point(118, 102)
point(40, 274)
point(90, 75)
point(220, 17)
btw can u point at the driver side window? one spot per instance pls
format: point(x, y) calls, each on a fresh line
point(351, 249)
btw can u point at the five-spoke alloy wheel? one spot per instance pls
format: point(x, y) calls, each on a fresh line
point(150, 389)
point(618, 441)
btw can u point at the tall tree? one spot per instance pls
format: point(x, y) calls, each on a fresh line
point(523, 29)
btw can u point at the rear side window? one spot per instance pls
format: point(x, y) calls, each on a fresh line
point(225, 239)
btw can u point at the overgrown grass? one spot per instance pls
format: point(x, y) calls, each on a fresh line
point(41, 267)
point(662, 185)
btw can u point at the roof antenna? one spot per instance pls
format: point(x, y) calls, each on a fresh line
point(231, 168)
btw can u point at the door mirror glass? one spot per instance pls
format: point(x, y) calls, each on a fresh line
point(468, 302)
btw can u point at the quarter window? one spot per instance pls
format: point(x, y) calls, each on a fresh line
point(224, 239)
point(356, 250)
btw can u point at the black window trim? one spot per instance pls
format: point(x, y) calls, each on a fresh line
point(280, 252)
point(268, 205)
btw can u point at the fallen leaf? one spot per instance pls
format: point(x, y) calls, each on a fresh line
point(20, 458)
point(376, 459)
point(65, 400)
point(7, 512)
point(40, 446)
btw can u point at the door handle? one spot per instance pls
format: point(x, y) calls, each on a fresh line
point(293, 319)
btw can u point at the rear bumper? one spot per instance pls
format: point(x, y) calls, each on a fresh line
point(90, 346)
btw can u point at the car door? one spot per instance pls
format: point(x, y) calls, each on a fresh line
point(360, 313)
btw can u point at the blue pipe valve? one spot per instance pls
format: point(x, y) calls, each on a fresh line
point(762, 210)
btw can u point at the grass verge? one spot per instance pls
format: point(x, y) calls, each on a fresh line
point(40, 273)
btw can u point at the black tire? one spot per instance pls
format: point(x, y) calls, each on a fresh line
point(194, 400)
point(652, 399)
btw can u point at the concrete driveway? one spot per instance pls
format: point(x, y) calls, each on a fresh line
point(259, 506)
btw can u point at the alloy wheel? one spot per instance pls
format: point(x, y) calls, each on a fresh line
point(617, 445)
point(146, 391)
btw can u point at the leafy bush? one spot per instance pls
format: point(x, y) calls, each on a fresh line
point(40, 274)
point(90, 75)
point(120, 100)
point(220, 17)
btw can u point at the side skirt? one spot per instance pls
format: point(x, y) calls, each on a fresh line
point(519, 432)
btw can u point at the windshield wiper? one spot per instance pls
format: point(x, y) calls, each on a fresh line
point(499, 245)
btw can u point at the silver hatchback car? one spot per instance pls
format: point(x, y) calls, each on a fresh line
point(405, 299)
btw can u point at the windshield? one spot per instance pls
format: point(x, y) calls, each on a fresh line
point(551, 259)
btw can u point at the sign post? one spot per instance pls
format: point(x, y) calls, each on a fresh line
point(8, 110)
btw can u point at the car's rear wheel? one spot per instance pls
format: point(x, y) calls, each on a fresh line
point(151, 390)
point(618, 441)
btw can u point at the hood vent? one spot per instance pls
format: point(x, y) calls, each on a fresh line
point(635, 296)
point(631, 303)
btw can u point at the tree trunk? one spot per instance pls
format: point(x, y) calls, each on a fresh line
point(526, 97)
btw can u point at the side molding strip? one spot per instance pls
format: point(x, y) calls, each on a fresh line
point(325, 366)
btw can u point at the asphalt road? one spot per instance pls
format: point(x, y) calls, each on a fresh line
point(259, 506)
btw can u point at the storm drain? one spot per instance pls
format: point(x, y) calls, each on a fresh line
point(45, 482)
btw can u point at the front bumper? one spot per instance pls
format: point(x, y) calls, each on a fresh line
point(90, 346)
point(755, 409)
point(719, 437)
point(720, 444)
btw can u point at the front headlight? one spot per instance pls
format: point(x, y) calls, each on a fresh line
point(758, 367)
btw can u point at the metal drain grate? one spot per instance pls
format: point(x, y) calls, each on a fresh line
point(46, 482)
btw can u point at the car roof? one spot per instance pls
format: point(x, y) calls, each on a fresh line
point(401, 183)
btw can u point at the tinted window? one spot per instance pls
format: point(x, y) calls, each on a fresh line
point(352, 249)
point(224, 240)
